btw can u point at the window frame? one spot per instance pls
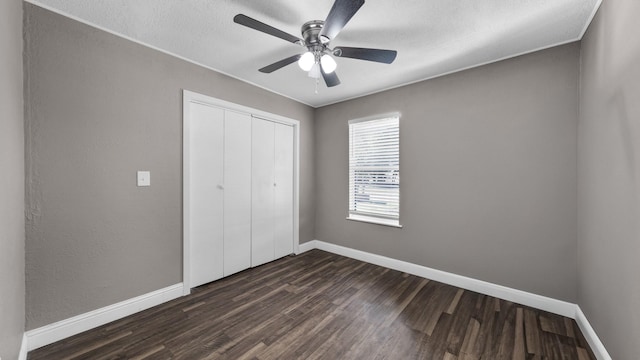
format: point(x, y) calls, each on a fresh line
point(378, 219)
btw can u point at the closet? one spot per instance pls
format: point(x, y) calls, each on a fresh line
point(240, 195)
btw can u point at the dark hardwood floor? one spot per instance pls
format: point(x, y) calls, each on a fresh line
point(323, 306)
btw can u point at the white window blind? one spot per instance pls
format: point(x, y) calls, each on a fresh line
point(374, 170)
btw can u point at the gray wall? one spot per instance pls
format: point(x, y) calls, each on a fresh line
point(11, 180)
point(609, 178)
point(488, 173)
point(100, 108)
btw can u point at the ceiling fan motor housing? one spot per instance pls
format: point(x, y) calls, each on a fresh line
point(310, 32)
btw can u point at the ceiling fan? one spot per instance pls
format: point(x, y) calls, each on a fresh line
point(316, 36)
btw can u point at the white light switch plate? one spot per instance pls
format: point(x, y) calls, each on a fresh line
point(144, 178)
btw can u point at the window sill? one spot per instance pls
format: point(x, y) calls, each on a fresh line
point(375, 220)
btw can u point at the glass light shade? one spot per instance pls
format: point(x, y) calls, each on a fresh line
point(306, 61)
point(315, 71)
point(328, 64)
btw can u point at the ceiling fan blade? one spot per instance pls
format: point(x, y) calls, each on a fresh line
point(377, 55)
point(330, 79)
point(267, 29)
point(280, 64)
point(341, 12)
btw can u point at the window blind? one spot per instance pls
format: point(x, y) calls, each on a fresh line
point(374, 168)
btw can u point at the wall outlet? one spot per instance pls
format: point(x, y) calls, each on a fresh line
point(144, 178)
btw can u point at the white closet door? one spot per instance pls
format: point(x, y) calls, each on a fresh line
point(237, 192)
point(206, 147)
point(283, 174)
point(262, 192)
point(262, 204)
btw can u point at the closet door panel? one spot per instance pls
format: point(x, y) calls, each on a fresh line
point(205, 195)
point(283, 174)
point(237, 192)
point(262, 193)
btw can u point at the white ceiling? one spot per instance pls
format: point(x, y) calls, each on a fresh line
point(432, 37)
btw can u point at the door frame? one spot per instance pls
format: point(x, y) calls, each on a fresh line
point(190, 97)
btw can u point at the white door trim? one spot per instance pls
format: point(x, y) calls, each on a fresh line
point(190, 97)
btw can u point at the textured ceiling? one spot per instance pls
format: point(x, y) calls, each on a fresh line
point(432, 37)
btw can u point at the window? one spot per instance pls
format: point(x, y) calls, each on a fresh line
point(374, 170)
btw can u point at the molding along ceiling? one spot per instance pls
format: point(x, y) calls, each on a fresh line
point(432, 37)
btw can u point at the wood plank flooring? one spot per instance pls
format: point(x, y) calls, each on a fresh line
point(323, 306)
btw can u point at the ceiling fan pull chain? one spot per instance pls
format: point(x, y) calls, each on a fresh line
point(317, 81)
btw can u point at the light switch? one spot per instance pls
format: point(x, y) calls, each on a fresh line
point(144, 178)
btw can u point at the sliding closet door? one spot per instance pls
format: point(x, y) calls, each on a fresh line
point(283, 190)
point(262, 198)
point(237, 192)
point(206, 149)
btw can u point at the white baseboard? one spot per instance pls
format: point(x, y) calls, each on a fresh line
point(590, 335)
point(518, 296)
point(23, 348)
point(63, 329)
point(304, 247)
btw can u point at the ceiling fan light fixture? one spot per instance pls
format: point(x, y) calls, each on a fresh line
point(307, 60)
point(328, 64)
point(314, 72)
